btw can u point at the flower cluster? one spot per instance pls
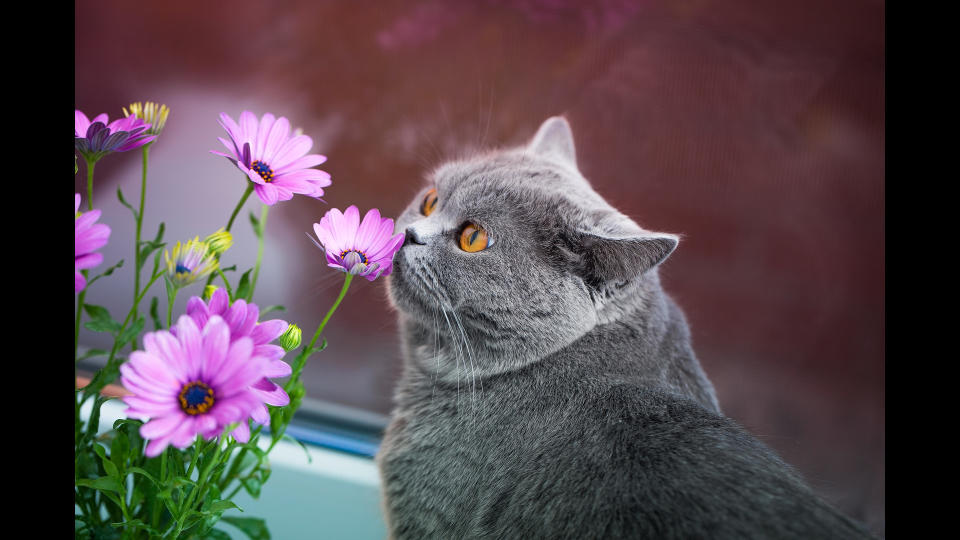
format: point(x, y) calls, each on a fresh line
point(202, 386)
point(210, 371)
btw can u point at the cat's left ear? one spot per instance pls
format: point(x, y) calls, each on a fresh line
point(555, 139)
point(606, 257)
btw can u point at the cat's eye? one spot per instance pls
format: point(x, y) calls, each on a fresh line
point(429, 202)
point(474, 238)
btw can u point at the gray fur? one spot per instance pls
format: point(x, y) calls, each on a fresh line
point(549, 388)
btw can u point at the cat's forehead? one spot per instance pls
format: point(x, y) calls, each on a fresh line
point(513, 174)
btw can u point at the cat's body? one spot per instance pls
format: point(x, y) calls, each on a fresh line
point(550, 389)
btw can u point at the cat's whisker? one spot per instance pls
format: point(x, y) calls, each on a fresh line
point(436, 351)
point(459, 351)
point(466, 342)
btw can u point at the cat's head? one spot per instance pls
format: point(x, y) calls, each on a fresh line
point(511, 255)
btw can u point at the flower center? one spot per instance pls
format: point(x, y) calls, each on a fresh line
point(196, 398)
point(352, 257)
point(182, 269)
point(263, 170)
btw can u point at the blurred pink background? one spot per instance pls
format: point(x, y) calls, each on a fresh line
point(754, 129)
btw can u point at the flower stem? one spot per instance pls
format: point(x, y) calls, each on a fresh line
point(170, 301)
point(261, 233)
point(136, 245)
point(76, 330)
point(302, 357)
point(243, 199)
point(90, 164)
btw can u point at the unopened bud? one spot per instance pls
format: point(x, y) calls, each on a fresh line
point(220, 241)
point(208, 292)
point(290, 339)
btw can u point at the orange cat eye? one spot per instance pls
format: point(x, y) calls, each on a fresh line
point(429, 202)
point(474, 238)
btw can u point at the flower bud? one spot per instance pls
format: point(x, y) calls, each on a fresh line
point(220, 241)
point(290, 339)
point(208, 292)
point(151, 113)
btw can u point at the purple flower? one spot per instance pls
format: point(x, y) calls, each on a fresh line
point(242, 319)
point(87, 237)
point(362, 249)
point(95, 139)
point(273, 160)
point(194, 382)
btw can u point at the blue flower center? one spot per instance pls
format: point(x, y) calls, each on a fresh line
point(196, 398)
point(351, 256)
point(263, 170)
point(182, 269)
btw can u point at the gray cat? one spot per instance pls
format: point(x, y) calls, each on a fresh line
point(549, 387)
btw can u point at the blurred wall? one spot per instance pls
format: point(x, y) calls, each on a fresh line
point(754, 129)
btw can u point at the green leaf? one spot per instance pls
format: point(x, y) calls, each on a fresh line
point(130, 333)
point(275, 307)
point(298, 441)
point(252, 485)
point(100, 319)
point(102, 378)
point(104, 483)
point(171, 290)
point(222, 506)
point(256, 224)
point(243, 288)
point(125, 203)
point(138, 470)
point(94, 425)
point(106, 272)
point(155, 313)
point(118, 450)
point(231, 268)
point(91, 353)
point(215, 534)
point(138, 525)
point(254, 528)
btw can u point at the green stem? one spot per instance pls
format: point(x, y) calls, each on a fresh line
point(90, 164)
point(136, 245)
point(302, 357)
point(233, 216)
point(170, 301)
point(243, 199)
point(76, 329)
point(260, 241)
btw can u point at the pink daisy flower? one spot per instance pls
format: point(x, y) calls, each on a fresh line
point(273, 160)
point(97, 138)
point(242, 320)
point(87, 237)
point(194, 382)
point(362, 249)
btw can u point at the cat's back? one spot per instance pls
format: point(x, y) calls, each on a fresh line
point(609, 458)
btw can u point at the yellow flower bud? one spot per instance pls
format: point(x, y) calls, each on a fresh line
point(220, 241)
point(290, 339)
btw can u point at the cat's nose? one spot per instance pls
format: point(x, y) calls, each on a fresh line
point(411, 237)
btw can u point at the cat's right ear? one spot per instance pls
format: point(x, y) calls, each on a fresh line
point(555, 139)
point(610, 257)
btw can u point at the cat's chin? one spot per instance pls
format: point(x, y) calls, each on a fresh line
point(404, 295)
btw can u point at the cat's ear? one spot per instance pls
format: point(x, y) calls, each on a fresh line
point(554, 138)
point(623, 255)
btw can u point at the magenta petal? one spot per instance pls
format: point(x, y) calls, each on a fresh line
point(305, 162)
point(219, 302)
point(279, 133)
point(79, 282)
point(292, 150)
point(248, 127)
point(278, 368)
point(242, 432)
point(270, 393)
point(260, 414)
point(270, 352)
point(259, 144)
point(88, 261)
point(267, 193)
point(267, 331)
point(160, 426)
